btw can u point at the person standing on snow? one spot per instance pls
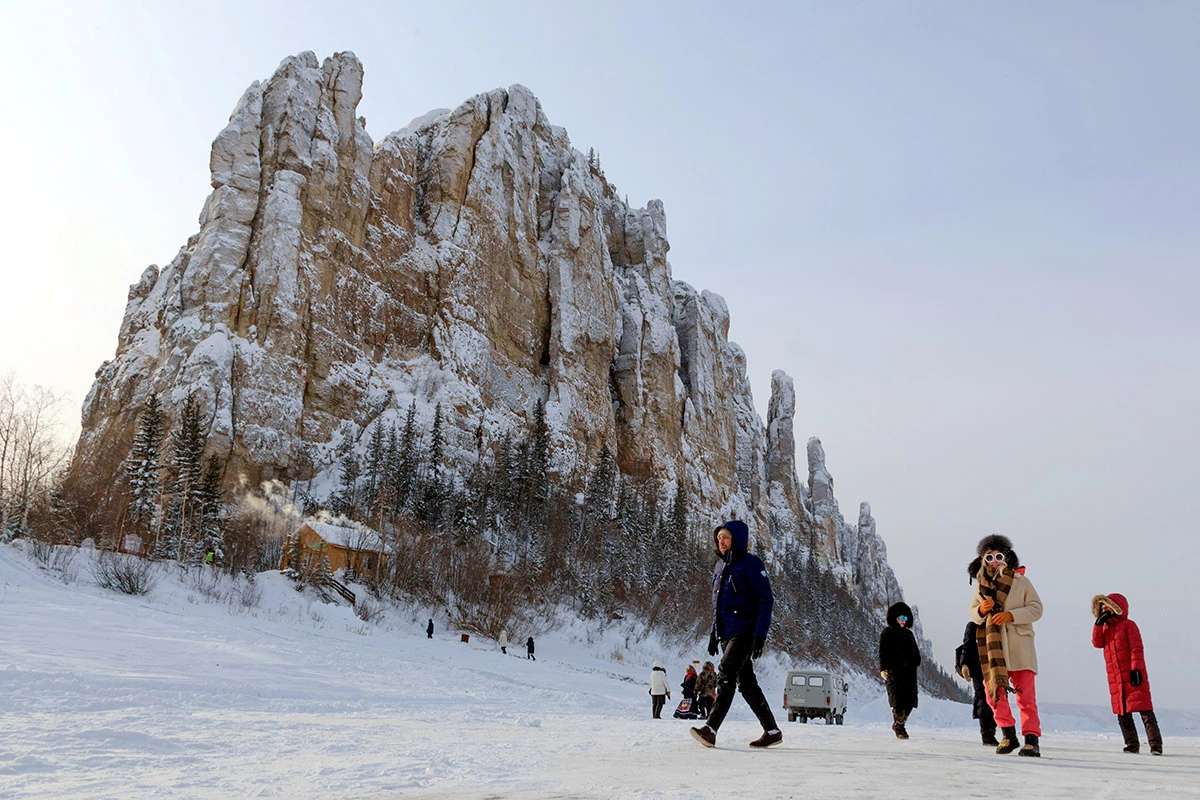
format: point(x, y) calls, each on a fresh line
point(742, 604)
point(1125, 662)
point(966, 660)
point(529, 649)
point(504, 641)
point(706, 689)
point(898, 662)
point(689, 684)
point(1005, 606)
point(429, 630)
point(658, 689)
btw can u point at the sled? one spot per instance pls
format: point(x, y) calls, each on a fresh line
point(686, 709)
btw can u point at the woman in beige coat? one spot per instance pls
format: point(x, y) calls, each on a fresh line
point(1005, 606)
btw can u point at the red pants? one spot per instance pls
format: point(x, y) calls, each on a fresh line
point(1023, 681)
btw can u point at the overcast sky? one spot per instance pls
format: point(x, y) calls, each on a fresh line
point(967, 231)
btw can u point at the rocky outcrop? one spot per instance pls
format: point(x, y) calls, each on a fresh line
point(472, 259)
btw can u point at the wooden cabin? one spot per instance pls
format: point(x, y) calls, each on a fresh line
point(355, 549)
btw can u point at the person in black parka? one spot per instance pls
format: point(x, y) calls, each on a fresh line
point(966, 659)
point(529, 649)
point(898, 662)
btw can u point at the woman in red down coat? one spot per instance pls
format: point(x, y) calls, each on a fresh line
point(1128, 684)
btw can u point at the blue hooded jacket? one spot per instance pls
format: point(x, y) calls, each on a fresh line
point(742, 599)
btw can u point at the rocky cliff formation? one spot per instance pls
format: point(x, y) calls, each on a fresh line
point(473, 259)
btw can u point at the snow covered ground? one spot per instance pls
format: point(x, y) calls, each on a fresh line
point(200, 691)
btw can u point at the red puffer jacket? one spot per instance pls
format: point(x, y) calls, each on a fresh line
point(1122, 643)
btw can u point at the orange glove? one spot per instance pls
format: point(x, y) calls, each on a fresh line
point(987, 605)
point(1001, 618)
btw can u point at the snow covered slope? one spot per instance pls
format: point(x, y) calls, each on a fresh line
point(210, 689)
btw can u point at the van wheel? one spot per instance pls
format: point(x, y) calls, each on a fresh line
point(829, 718)
point(791, 717)
point(840, 717)
point(804, 720)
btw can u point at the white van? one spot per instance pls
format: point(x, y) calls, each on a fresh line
point(813, 694)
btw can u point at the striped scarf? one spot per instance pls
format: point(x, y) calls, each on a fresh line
point(987, 636)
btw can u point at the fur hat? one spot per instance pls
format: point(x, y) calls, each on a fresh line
point(997, 542)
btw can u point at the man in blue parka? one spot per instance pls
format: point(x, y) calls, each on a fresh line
point(742, 603)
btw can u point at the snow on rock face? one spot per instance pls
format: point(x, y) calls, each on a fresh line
point(790, 518)
point(473, 258)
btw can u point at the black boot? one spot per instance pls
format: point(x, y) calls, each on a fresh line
point(1031, 746)
point(898, 721)
point(1009, 742)
point(1129, 733)
point(989, 737)
point(1153, 734)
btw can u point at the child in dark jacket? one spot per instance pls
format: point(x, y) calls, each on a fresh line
point(966, 660)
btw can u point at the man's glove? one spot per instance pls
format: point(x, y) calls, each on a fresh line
point(1135, 677)
point(759, 643)
point(965, 671)
point(712, 643)
point(1001, 618)
point(1104, 617)
point(987, 605)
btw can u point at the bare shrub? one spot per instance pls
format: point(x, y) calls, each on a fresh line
point(39, 550)
point(245, 594)
point(207, 583)
point(125, 574)
point(368, 611)
point(58, 560)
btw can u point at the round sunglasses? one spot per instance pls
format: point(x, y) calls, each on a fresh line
point(991, 557)
point(902, 618)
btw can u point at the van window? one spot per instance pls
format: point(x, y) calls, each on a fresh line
point(816, 680)
point(797, 680)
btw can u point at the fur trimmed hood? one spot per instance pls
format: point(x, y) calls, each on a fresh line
point(898, 609)
point(1115, 604)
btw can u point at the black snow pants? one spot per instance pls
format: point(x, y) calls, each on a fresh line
point(736, 671)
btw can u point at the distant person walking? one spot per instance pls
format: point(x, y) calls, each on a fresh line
point(966, 659)
point(899, 658)
point(706, 689)
point(742, 604)
point(503, 642)
point(1005, 606)
point(429, 630)
point(658, 689)
point(529, 649)
point(1125, 662)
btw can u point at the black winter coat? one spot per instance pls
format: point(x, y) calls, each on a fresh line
point(968, 653)
point(899, 657)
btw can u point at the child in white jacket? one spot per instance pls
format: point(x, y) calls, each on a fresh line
point(659, 691)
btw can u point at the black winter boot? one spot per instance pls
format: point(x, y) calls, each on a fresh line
point(1009, 742)
point(898, 721)
point(1153, 734)
point(989, 737)
point(1031, 748)
point(1129, 733)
